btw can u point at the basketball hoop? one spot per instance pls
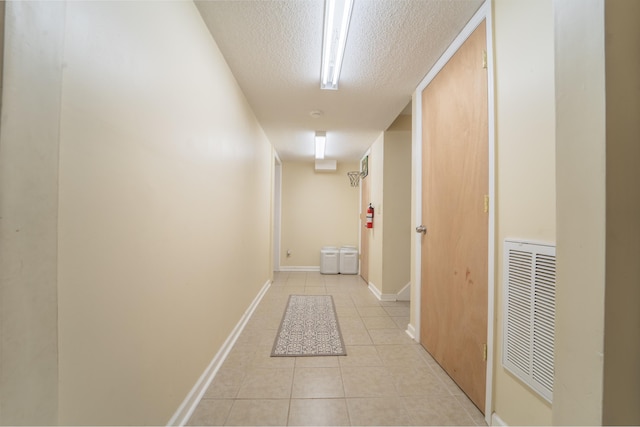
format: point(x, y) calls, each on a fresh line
point(354, 178)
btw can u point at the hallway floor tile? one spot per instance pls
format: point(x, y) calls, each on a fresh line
point(385, 379)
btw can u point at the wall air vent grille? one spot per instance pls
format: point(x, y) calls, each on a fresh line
point(529, 313)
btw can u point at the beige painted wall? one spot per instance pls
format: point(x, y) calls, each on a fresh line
point(397, 210)
point(376, 234)
point(28, 212)
point(622, 316)
point(2, 28)
point(581, 218)
point(162, 166)
point(597, 95)
point(402, 122)
point(525, 159)
point(318, 209)
point(390, 187)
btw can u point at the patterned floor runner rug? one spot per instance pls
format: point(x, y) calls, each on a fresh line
point(309, 327)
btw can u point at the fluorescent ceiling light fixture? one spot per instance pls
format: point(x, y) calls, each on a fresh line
point(337, 14)
point(321, 139)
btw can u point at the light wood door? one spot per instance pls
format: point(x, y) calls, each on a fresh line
point(454, 249)
point(364, 231)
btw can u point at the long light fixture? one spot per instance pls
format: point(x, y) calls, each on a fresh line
point(337, 14)
point(321, 139)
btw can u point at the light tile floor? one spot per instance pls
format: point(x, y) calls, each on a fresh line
point(385, 379)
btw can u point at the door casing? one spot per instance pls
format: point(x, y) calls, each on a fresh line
point(483, 13)
point(454, 258)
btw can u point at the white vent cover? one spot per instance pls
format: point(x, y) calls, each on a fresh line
point(529, 313)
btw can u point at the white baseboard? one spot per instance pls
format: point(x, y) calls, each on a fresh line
point(375, 291)
point(497, 421)
point(300, 268)
point(380, 295)
point(184, 412)
point(411, 331)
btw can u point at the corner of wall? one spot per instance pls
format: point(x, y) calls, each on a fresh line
point(497, 421)
point(405, 293)
point(31, 67)
point(621, 346)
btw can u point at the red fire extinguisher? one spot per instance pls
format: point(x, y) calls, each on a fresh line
point(370, 216)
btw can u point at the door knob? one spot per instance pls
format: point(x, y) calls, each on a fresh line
point(421, 229)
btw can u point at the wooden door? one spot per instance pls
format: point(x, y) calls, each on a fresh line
point(454, 249)
point(365, 198)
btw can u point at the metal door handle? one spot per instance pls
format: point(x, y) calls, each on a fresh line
point(421, 229)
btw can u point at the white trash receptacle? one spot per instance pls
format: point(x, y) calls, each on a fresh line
point(329, 260)
point(348, 260)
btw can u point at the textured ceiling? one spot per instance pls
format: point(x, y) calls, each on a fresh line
point(273, 48)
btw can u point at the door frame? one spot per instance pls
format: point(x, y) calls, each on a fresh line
point(277, 211)
point(483, 13)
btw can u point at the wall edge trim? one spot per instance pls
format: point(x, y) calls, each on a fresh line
point(375, 291)
point(497, 421)
point(381, 297)
point(411, 331)
point(299, 268)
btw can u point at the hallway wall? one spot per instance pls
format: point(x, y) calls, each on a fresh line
point(162, 165)
point(28, 212)
point(621, 387)
point(390, 187)
point(318, 209)
point(598, 321)
point(525, 166)
point(396, 273)
point(376, 190)
point(566, 129)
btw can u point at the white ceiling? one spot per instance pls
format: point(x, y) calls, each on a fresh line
point(273, 48)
